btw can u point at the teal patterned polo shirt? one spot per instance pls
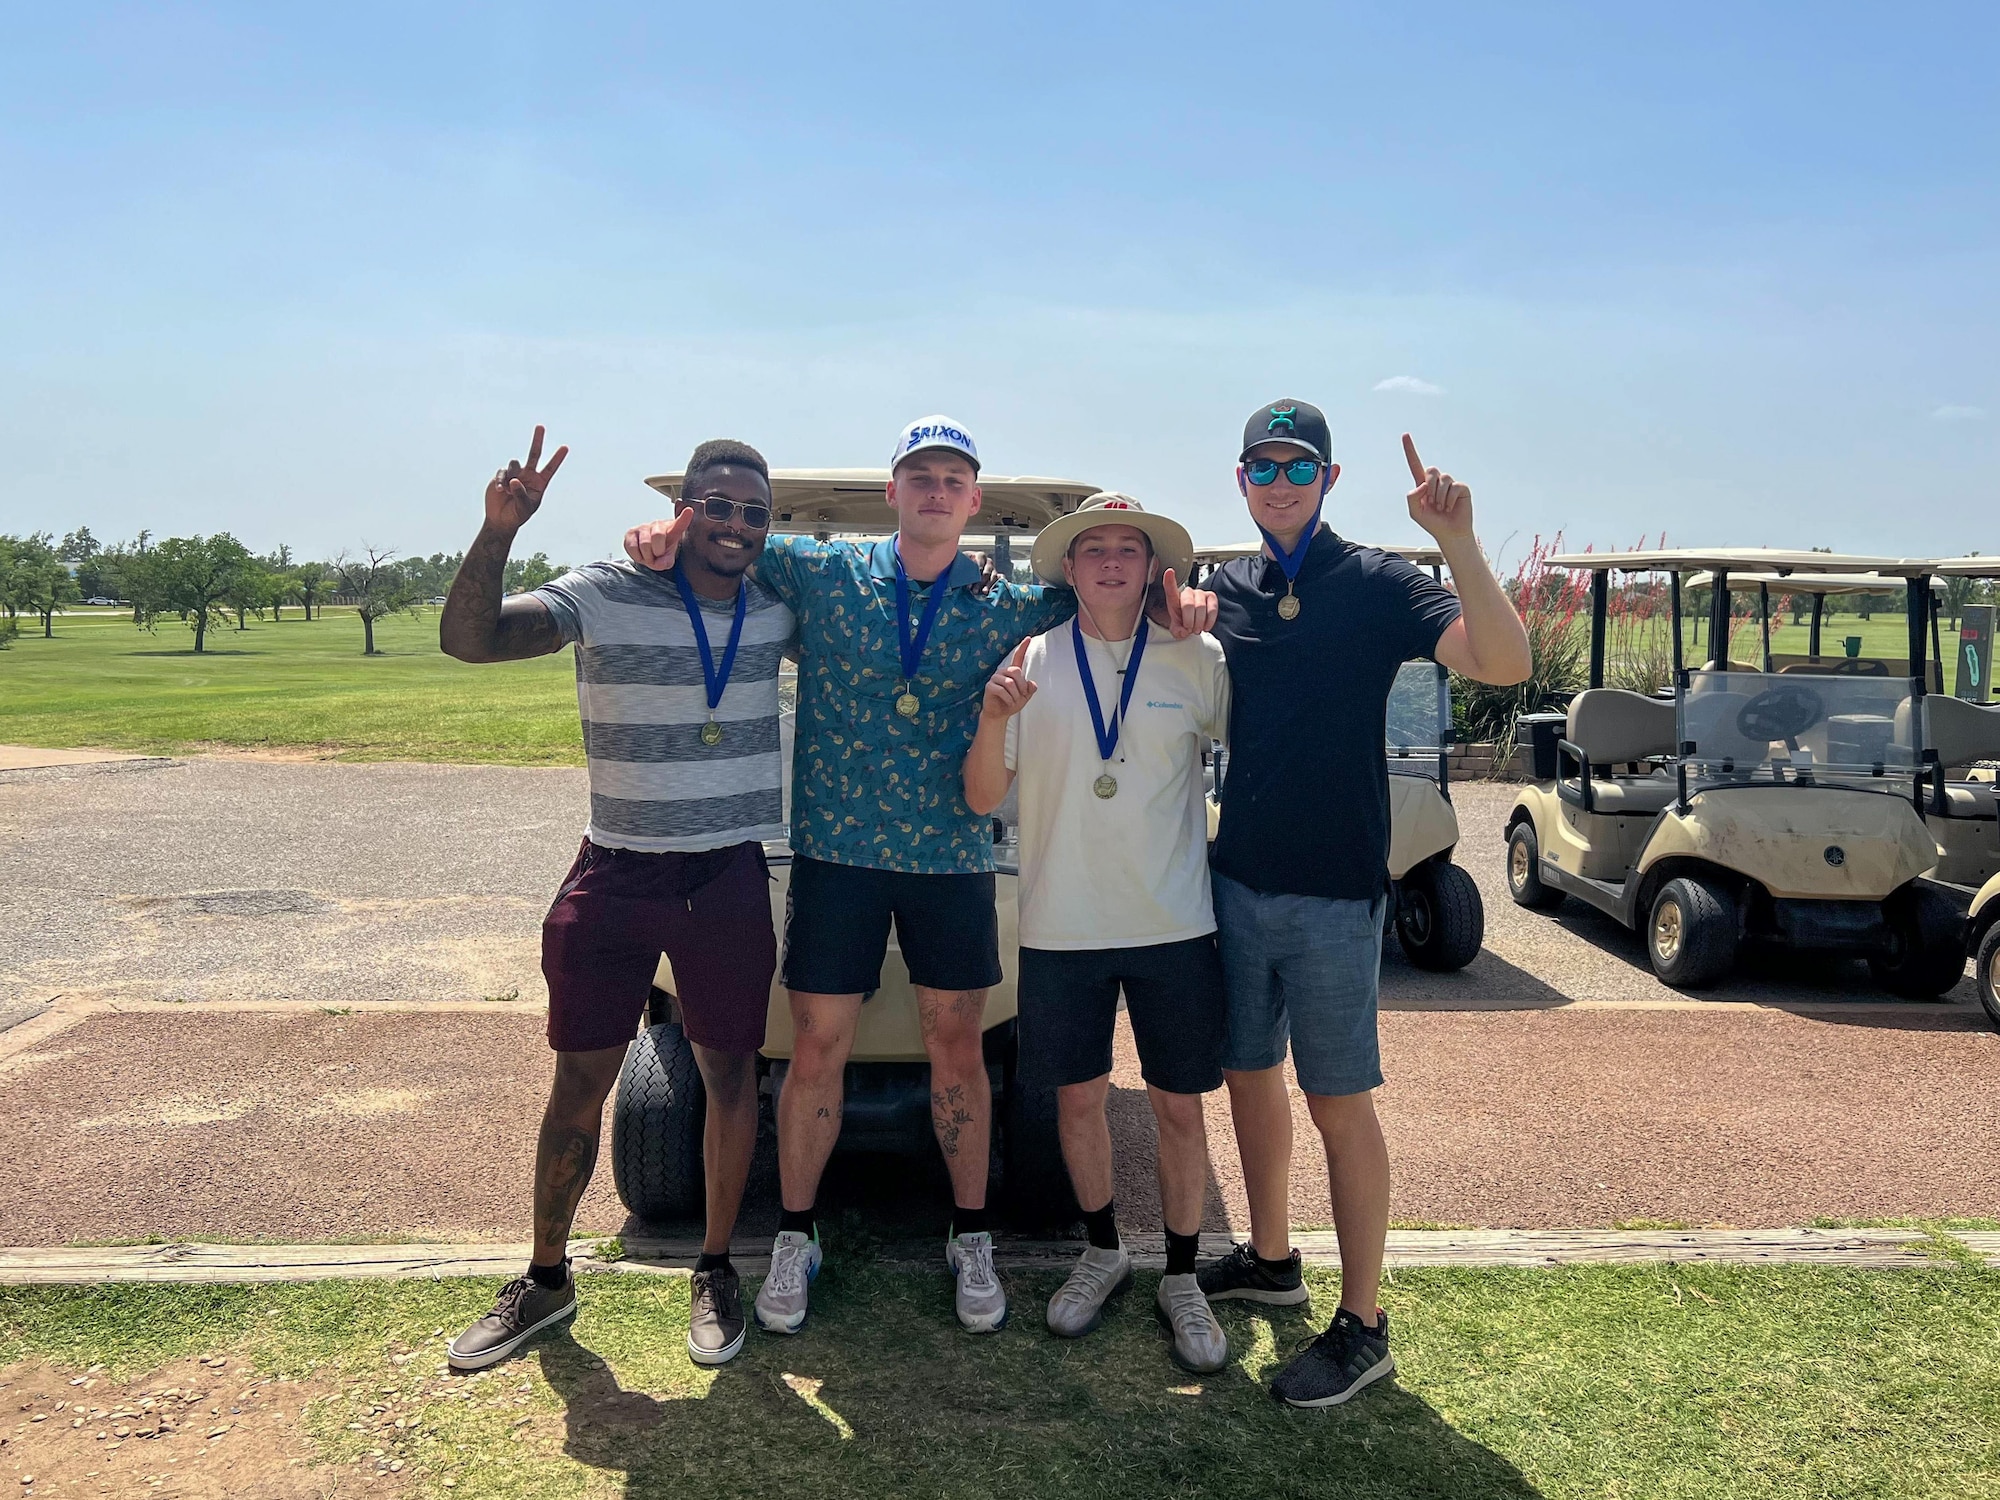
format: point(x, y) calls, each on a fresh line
point(870, 787)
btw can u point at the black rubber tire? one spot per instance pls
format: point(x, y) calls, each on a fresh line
point(1440, 920)
point(1986, 974)
point(1524, 879)
point(1927, 953)
point(1039, 1195)
point(1705, 949)
point(656, 1125)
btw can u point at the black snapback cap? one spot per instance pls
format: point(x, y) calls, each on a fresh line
point(1289, 422)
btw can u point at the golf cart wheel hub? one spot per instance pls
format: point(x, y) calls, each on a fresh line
point(1417, 918)
point(1517, 865)
point(1667, 934)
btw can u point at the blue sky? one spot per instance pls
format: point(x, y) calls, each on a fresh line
point(311, 274)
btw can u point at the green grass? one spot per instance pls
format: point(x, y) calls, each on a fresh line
point(1658, 1382)
point(290, 685)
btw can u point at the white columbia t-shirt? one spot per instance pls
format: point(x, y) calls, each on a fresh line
point(1131, 870)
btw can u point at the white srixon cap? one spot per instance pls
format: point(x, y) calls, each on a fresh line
point(935, 432)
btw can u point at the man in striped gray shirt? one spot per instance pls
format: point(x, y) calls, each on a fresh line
point(677, 685)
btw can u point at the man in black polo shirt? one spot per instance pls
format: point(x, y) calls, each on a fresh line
point(1314, 630)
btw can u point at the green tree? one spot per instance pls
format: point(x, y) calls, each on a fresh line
point(312, 580)
point(377, 588)
point(194, 577)
point(523, 574)
point(34, 578)
point(280, 588)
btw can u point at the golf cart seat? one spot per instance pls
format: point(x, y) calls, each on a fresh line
point(1613, 727)
point(1961, 732)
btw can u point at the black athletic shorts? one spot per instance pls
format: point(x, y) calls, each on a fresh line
point(837, 928)
point(1173, 995)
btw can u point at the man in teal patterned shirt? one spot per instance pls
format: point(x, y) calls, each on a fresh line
point(896, 640)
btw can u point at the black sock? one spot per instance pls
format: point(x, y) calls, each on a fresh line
point(1102, 1225)
point(1275, 1267)
point(719, 1261)
point(1181, 1249)
point(797, 1219)
point(550, 1277)
point(968, 1221)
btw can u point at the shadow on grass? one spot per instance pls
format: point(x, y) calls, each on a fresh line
point(193, 654)
point(883, 1395)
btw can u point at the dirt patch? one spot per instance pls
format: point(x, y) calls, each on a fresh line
point(195, 1428)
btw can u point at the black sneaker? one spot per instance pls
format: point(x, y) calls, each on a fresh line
point(1345, 1359)
point(716, 1325)
point(524, 1308)
point(1240, 1276)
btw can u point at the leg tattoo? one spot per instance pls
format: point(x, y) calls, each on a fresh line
point(564, 1159)
point(949, 1116)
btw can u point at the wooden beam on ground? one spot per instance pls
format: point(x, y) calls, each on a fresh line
point(1877, 1248)
point(1984, 1243)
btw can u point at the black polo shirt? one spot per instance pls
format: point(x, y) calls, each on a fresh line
point(1305, 804)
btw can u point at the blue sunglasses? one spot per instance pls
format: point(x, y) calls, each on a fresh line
point(1262, 471)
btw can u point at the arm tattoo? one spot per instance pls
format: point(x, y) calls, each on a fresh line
point(478, 625)
point(564, 1159)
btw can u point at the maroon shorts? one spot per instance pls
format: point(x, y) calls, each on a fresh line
point(619, 910)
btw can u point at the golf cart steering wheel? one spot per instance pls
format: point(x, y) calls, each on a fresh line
point(1861, 666)
point(1780, 713)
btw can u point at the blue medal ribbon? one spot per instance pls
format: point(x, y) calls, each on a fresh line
point(913, 649)
point(1107, 739)
point(715, 682)
point(1290, 562)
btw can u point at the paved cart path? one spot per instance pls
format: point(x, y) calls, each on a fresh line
point(1554, 1083)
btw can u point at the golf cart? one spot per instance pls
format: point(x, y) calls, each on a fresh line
point(1962, 806)
point(1438, 915)
point(658, 1114)
point(1779, 807)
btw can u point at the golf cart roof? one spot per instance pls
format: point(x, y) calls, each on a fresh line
point(1772, 560)
point(850, 500)
point(1967, 567)
point(1423, 557)
point(1809, 583)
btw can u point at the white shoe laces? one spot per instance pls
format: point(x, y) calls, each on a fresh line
point(1190, 1311)
point(975, 1266)
point(1088, 1282)
point(788, 1270)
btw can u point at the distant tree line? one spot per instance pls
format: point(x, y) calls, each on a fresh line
point(205, 581)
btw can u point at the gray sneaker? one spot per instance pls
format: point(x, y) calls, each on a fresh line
point(716, 1328)
point(1198, 1342)
point(982, 1301)
point(1078, 1305)
point(781, 1300)
point(524, 1308)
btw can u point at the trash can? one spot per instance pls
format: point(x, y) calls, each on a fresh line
point(1540, 732)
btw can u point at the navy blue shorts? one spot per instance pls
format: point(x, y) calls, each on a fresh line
point(1173, 998)
point(837, 920)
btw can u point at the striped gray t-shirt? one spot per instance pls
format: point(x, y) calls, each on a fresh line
point(654, 786)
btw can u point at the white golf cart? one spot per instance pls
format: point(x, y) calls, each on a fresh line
point(1438, 915)
point(1778, 807)
point(657, 1117)
point(1962, 805)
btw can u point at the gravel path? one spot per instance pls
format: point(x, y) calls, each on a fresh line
point(1507, 1103)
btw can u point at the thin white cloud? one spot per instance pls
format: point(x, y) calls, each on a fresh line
point(1411, 384)
point(1959, 414)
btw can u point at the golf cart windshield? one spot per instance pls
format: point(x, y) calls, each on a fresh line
point(1419, 713)
point(1797, 728)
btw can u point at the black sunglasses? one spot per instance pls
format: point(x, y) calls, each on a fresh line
point(1265, 470)
point(756, 517)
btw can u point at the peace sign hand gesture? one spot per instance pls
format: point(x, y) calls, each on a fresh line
point(1439, 504)
point(1009, 689)
point(515, 492)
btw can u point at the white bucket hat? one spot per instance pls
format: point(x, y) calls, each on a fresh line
point(1171, 542)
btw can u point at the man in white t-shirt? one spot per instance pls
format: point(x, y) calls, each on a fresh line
point(1105, 722)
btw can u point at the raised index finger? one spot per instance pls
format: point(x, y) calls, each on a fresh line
point(1021, 651)
point(1417, 470)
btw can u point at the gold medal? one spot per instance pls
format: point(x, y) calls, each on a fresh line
point(1288, 607)
point(711, 733)
point(1106, 786)
point(907, 705)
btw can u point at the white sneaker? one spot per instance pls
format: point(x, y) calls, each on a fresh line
point(1078, 1305)
point(1198, 1342)
point(781, 1300)
point(982, 1301)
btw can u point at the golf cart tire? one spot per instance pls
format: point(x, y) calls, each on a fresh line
point(1039, 1195)
point(1986, 974)
point(1440, 919)
point(656, 1127)
point(1705, 950)
point(1928, 956)
point(1524, 870)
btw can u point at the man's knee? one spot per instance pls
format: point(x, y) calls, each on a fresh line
point(583, 1080)
point(952, 1035)
point(729, 1077)
point(1343, 1116)
point(1082, 1101)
